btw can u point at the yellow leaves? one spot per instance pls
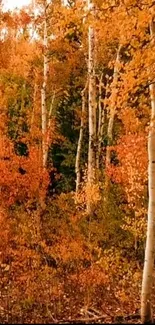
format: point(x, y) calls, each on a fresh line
point(92, 193)
point(136, 225)
point(130, 120)
point(122, 296)
point(63, 202)
point(89, 194)
point(5, 267)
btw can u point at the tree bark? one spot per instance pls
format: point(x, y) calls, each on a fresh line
point(113, 107)
point(47, 138)
point(91, 104)
point(34, 103)
point(147, 282)
point(100, 124)
point(79, 146)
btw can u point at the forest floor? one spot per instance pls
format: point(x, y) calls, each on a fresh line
point(71, 308)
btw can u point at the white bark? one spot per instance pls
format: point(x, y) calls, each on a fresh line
point(147, 282)
point(91, 100)
point(91, 107)
point(43, 91)
point(34, 105)
point(79, 146)
point(100, 124)
point(47, 139)
point(113, 106)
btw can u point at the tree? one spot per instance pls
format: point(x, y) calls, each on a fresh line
point(91, 103)
point(113, 103)
point(80, 140)
point(101, 118)
point(44, 88)
point(147, 283)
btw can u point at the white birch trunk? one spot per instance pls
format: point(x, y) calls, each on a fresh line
point(91, 108)
point(43, 92)
point(100, 124)
point(34, 105)
point(147, 282)
point(112, 108)
point(79, 146)
point(91, 100)
point(47, 139)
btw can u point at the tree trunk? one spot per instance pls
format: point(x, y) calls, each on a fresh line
point(34, 104)
point(47, 138)
point(43, 92)
point(79, 146)
point(147, 282)
point(91, 104)
point(112, 108)
point(100, 124)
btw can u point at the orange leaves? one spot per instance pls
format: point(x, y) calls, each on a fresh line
point(132, 169)
point(130, 120)
point(88, 193)
point(25, 18)
point(69, 249)
point(5, 232)
point(21, 178)
point(92, 277)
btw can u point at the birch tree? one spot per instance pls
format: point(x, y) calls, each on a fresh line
point(79, 146)
point(44, 87)
point(100, 123)
point(91, 99)
point(48, 127)
point(147, 282)
point(112, 111)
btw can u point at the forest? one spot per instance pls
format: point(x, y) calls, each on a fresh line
point(77, 162)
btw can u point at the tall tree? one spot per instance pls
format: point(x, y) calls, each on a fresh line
point(112, 110)
point(100, 126)
point(147, 283)
point(79, 146)
point(91, 101)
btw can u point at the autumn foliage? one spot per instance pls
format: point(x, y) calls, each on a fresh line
point(58, 261)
